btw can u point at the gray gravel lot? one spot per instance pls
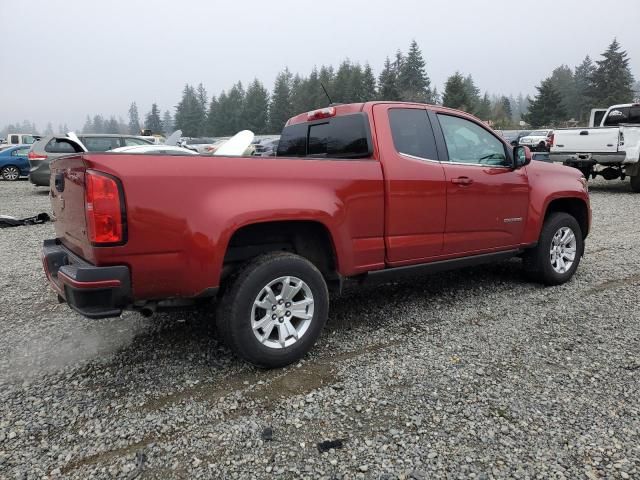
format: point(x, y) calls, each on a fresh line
point(471, 374)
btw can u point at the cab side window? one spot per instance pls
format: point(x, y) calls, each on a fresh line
point(412, 133)
point(469, 143)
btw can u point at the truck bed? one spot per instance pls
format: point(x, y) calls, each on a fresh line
point(181, 210)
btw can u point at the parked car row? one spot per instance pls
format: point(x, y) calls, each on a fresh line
point(54, 146)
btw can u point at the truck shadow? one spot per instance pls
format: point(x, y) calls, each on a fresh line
point(190, 337)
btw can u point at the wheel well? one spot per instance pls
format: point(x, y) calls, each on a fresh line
point(574, 207)
point(308, 239)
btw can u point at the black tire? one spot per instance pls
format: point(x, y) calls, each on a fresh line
point(537, 261)
point(635, 183)
point(233, 319)
point(9, 173)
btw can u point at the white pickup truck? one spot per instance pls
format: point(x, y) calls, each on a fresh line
point(611, 149)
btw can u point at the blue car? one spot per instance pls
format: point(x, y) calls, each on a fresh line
point(14, 162)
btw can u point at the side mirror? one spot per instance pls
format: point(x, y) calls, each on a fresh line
point(521, 156)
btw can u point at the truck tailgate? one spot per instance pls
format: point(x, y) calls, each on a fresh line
point(586, 140)
point(67, 201)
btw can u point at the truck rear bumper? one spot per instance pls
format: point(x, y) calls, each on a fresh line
point(95, 292)
point(602, 158)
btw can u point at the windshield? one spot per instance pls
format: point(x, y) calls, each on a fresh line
point(539, 133)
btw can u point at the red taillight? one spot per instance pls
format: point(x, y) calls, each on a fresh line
point(552, 140)
point(36, 156)
point(103, 209)
point(321, 113)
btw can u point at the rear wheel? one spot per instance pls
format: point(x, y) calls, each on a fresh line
point(10, 173)
point(557, 256)
point(635, 183)
point(273, 310)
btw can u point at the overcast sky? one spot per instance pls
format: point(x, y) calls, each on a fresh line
point(62, 60)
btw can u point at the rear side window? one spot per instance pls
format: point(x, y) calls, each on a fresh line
point(60, 145)
point(15, 139)
point(293, 141)
point(617, 116)
point(412, 133)
point(20, 152)
point(101, 144)
point(634, 114)
point(339, 137)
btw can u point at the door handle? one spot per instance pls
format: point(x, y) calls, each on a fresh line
point(462, 181)
point(584, 132)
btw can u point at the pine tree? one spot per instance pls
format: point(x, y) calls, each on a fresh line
point(134, 119)
point(612, 81)
point(98, 124)
point(256, 106)
point(342, 85)
point(190, 115)
point(473, 94)
point(167, 123)
point(315, 94)
point(355, 83)
point(506, 108)
point(299, 97)
point(152, 121)
point(564, 83)
point(235, 105)
point(483, 111)
point(217, 124)
point(368, 84)
point(456, 93)
point(111, 126)
point(49, 129)
point(546, 109)
point(202, 97)
point(413, 82)
point(280, 105)
point(212, 116)
point(388, 83)
point(582, 78)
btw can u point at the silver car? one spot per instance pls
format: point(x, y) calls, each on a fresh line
point(53, 146)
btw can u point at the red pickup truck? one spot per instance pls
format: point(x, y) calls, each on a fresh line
point(356, 192)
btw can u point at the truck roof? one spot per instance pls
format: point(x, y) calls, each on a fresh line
point(350, 108)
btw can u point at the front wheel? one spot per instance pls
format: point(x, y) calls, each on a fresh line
point(635, 183)
point(273, 310)
point(557, 256)
point(10, 173)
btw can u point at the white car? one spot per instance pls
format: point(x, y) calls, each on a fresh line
point(538, 140)
point(157, 149)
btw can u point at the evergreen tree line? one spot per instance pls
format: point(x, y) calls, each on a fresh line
point(153, 121)
point(257, 109)
point(29, 127)
point(567, 94)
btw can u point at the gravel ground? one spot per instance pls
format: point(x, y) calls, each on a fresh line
point(470, 374)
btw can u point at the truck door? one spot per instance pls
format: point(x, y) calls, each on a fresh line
point(415, 189)
point(487, 201)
